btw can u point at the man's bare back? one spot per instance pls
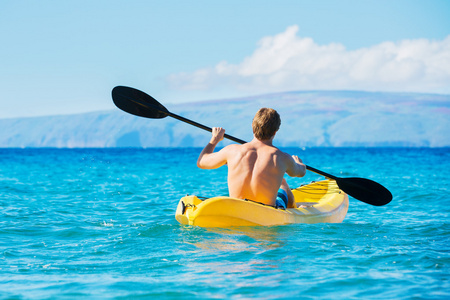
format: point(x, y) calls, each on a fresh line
point(255, 169)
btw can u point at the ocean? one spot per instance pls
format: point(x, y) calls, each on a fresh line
point(99, 224)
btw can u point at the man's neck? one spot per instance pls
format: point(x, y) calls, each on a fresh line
point(264, 142)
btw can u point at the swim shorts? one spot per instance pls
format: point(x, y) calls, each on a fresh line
point(282, 199)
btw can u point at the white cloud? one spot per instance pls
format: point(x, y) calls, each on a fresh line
point(288, 62)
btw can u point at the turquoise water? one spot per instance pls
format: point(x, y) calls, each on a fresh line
point(99, 223)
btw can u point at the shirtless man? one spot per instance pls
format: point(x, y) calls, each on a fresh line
point(255, 169)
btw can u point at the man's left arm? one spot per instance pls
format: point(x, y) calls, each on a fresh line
point(207, 158)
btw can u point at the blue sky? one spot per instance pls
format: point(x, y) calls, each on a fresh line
point(63, 57)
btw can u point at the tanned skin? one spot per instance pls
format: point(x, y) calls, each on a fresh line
point(255, 169)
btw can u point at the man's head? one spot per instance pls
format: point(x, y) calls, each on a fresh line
point(266, 123)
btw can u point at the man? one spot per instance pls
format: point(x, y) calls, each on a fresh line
point(256, 169)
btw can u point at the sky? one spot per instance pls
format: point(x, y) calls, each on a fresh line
point(64, 57)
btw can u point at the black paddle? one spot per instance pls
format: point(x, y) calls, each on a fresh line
point(138, 103)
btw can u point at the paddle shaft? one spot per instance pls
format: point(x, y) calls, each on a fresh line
point(203, 127)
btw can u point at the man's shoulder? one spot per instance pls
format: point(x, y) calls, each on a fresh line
point(232, 148)
point(281, 154)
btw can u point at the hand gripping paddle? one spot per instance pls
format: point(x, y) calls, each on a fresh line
point(140, 104)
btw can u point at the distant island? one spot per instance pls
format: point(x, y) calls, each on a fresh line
point(308, 119)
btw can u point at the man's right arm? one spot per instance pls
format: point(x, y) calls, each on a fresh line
point(295, 166)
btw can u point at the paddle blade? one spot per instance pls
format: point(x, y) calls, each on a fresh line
point(365, 190)
point(138, 103)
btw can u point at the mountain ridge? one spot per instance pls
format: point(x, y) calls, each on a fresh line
point(309, 119)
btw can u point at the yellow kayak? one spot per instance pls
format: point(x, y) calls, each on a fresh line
point(317, 202)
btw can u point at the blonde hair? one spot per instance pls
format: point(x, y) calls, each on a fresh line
point(266, 123)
